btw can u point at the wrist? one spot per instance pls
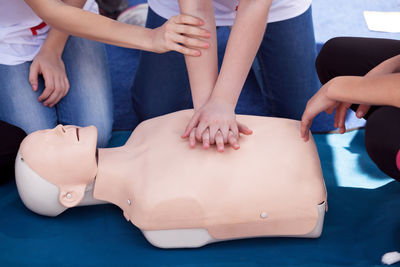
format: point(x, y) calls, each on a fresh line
point(332, 88)
point(154, 45)
point(223, 100)
point(52, 50)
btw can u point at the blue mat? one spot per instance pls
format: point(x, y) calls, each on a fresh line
point(362, 223)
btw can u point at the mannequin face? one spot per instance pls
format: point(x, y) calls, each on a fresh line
point(64, 156)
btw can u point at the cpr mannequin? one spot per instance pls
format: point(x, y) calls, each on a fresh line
point(177, 196)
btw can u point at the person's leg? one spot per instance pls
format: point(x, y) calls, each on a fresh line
point(382, 139)
point(19, 104)
point(89, 100)
point(353, 56)
point(10, 139)
point(286, 57)
point(161, 83)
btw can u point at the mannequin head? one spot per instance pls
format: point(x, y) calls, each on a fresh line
point(64, 157)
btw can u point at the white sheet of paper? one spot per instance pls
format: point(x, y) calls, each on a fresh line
point(383, 21)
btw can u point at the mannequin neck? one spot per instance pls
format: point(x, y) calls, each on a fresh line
point(115, 167)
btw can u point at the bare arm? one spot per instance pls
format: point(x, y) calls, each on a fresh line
point(372, 90)
point(56, 39)
point(92, 26)
point(243, 44)
point(216, 120)
point(203, 71)
point(380, 86)
point(48, 62)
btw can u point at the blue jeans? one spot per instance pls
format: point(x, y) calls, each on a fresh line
point(88, 102)
point(286, 59)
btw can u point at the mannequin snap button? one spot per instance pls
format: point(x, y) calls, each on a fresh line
point(129, 202)
point(69, 196)
point(263, 215)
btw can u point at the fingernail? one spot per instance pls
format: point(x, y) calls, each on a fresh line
point(360, 114)
point(206, 45)
point(197, 53)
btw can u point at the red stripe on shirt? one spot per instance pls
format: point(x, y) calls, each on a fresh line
point(38, 27)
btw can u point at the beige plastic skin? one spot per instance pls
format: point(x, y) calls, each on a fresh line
point(271, 186)
point(58, 156)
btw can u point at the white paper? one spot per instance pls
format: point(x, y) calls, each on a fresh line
point(383, 21)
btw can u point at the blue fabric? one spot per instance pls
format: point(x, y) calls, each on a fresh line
point(88, 102)
point(362, 224)
point(286, 59)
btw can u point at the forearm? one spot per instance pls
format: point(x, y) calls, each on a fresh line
point(88, 25)
point(391, 65)
point(203, 70)
point(55, 41)
point(243, 44)
point(374, 90)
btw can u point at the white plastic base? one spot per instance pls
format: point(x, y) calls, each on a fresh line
point(198, 237)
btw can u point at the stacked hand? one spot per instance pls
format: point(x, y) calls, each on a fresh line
point(215, 123)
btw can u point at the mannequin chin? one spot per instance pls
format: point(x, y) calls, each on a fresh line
point(272, 186)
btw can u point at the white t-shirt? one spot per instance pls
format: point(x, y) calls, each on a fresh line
point(18, 41)
point(225, 10)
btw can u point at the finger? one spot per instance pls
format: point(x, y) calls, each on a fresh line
point(233, 141)
point(341, 113)
point(201, 129)
point(219, 140)
point(52, 99)
point(362, 110)
point(339, 110)
point(330, 110)
point(306, 122)
point(235, 130)
point(225, 132)
point(213, 132)
point(192, 123)
point(67, 86)
point(190, 31)
point(244, 129)
point(185, 50)
point(192, 138)
point(33, 76)
point(206, 139)
point(48, 90)
point(59, 88)
point(186, 19)
point(189, 42)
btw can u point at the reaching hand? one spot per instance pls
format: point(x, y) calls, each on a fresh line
point(181, 33)
point(318, 103)
point(215, 123)
point(51, 66)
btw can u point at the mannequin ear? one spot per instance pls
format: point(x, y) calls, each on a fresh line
point(70, 196)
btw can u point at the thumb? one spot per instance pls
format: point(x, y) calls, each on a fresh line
point(33, 76)
point(193, 122)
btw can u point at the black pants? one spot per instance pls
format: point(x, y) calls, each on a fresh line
point(10, 139)
point(356, 56)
